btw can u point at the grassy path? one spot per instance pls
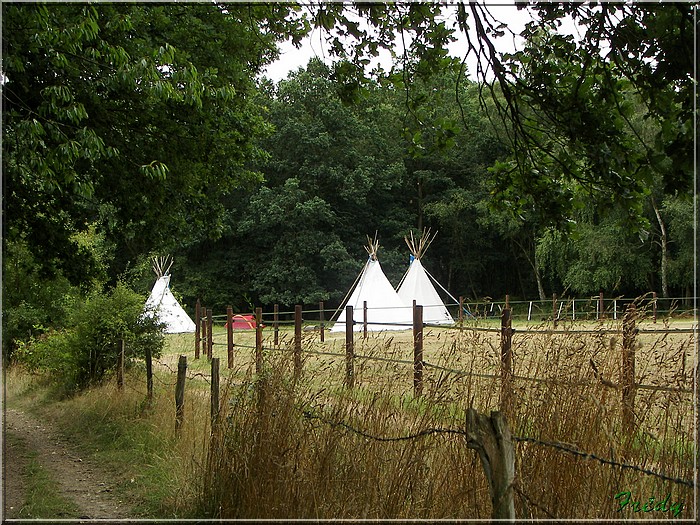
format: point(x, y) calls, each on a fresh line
point(45, 477)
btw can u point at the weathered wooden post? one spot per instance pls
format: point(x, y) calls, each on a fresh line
point(461, 313)
point(258, 341)
point(506, 361)
point(364, 323)
point(276, 323)
point(601, 306)
point(555, 315)
point(180, 393)
point(349, 348)
point(229, 335)
point(491, 438)
point(210, 333)
point(203, 331)
point(297, 340)
point(214, 391)
point(197, 333)
point(627, 379)
point(417, 349)
point(654, 301)
point(321, 321)
point(120, 365)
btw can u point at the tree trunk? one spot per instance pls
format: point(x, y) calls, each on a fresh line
point(664, 250)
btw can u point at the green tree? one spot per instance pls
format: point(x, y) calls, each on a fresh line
point(129, 117)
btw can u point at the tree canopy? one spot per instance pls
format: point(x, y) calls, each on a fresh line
point(138, 128)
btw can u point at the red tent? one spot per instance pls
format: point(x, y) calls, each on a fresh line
point(243, 322)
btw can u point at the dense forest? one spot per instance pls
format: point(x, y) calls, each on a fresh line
point(135, 130)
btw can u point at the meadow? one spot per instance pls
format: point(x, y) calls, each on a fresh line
point(308, 447)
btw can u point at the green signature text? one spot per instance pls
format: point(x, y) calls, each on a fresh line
point(651, 505)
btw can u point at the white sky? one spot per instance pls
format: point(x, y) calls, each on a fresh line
point(314, 45)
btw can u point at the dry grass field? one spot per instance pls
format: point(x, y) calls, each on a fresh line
point(308, 447)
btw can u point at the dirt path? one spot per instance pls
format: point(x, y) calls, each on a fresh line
point(78, 480)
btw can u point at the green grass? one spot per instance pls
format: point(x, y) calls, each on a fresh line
point(42, 497)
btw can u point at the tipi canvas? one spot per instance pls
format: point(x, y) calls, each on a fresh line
point(385, 309)
point(162, 302)
point(416, 285)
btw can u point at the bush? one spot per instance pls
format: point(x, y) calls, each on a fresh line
point(84, 352)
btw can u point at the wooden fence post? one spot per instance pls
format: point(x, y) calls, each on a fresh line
point(461, 313)
point(555, 315)
point(258, 341)
point(490, 437)
point(210, 332)
point(321, 321)
point(627, 380)
point(276, 323)
point(601, 306)
point(180, 393)
point(349, 348)
point(417, 349)
point(654, 304)
point(214, 391)
point(203, 331)
point(120, 365)
point(197, 333)
point(297, 340)
point(506, 361)
point(364, 324)
point(229, 335)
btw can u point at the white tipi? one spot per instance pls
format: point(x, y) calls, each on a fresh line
point(162, 302)
point(416, 284)
point(385, 309)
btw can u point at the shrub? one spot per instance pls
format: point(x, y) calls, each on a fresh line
point(84, 352)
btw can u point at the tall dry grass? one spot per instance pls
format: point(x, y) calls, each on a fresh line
point(268, 459)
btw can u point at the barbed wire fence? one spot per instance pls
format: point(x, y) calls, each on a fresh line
point(207, 323)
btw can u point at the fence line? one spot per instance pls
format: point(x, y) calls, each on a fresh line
point(307, 414)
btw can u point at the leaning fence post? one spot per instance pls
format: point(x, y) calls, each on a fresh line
point(229, 334)
point(417, 349)
point(214, 391)
point(197, 333)
point(490, 437)
point(297, 340)
point(349, 348)
point(180, 393)
point(629, 388)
